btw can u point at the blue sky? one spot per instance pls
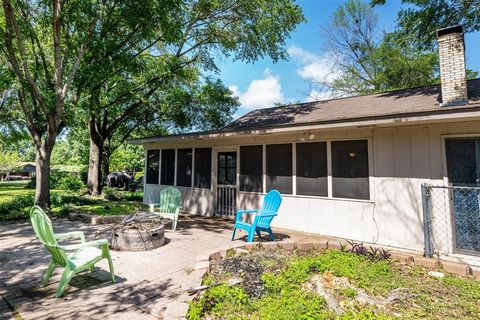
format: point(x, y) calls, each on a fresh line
point(264, 83)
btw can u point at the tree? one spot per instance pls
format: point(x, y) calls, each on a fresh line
point(421, 18)
point(165, 77)
point(44, 44)
point(9, 160)
point(368, 60)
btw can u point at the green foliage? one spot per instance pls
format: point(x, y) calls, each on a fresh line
point(368, 61)
point(119, 195)
point(127, 157)
point(60, 181)
point(420, 19)
point(9, 160)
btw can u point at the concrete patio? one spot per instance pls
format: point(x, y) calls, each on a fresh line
point(149, 284)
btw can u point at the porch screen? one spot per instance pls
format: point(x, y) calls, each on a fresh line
point(251, 168)
point(152, 166)
point(168, 167)
point(312, 169)
point(279, 168)
point(203, 168)
point(184, 167)
point(350, 169)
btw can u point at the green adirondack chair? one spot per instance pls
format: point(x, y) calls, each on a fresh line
point(80, 256)
point(168, 205)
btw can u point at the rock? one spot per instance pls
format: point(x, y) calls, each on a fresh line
point(436, 274)
point(399, 294)
point(319, 284)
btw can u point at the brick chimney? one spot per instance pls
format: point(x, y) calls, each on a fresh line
point(453, 77)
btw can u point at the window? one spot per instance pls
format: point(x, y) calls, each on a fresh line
point(463, 161)
point(350, 169)
point(168, 167)
point(251, 168)
point(227, 168)
point(184, 167)
point(312, 169)
point(152, 166)
point(279, 167)
point(203, 168)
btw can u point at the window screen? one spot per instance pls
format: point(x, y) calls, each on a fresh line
point(463, 161)
point(203, 168)
point(312, 169)
point(279, 167)
point(251, 168)
point(152, 166)
point(350, 169)
point(168, 167)
point(184, 167)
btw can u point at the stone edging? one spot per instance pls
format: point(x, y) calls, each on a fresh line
point(202, 264)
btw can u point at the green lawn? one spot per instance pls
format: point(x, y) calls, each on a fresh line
point(64, 202)
point(8, 190)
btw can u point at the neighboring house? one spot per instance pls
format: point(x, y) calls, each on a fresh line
point(24, 171)
point(350, 167)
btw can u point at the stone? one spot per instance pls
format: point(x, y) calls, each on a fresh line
point(427, 262)
point(304, 246)
point(270, 245)
point(436, 274)
point(202, 265)
point(287, 245)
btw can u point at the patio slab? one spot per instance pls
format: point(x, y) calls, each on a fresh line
point(149, 284)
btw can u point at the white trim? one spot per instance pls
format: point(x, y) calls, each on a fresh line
point(159, 166)
point(193, 168)
point(264, 168)
point(329, 170)
point(294, 168)
point(175, 169)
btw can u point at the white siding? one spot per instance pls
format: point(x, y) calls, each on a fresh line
point(401, 159)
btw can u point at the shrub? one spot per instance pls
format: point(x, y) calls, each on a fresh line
point(117, 195)
point(17, 203)
point(60, 181)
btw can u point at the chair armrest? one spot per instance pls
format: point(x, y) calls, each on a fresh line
point(68, 235)
point(95, 243)
point(242, 212)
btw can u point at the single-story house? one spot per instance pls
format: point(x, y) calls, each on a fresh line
point(349, 167)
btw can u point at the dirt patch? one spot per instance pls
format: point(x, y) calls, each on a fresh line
point(249, 267)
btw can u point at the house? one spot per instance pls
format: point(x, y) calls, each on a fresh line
point(350, 167)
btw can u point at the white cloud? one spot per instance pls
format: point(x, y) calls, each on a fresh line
point(319, 95)
point(314, 67)
point(261, 93)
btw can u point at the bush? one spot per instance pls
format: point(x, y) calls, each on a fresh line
point(60, 181)
point(17, 203)
point(117, 195)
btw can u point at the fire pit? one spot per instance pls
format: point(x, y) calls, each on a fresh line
point(138, 232)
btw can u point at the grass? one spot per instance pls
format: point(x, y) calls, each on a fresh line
point(15, 202)
point(8, 190)
point(286, 296)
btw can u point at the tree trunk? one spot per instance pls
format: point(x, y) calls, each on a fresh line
point(106, 162)
point(94, 181)
point(42, 169)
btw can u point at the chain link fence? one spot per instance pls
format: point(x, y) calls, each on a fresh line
point(452, 222)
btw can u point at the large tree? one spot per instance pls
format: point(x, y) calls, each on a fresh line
point(419, 19)
point(168, 76)
point(66, 57)
point(369, 60)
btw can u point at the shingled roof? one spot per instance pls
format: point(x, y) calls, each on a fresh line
point(387, 105)
point(403, 103)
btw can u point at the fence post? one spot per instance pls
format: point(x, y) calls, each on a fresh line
point(427, 205)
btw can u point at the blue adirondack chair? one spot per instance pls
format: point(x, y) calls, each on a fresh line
point(271, 203)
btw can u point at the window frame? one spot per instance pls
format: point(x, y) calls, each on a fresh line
point(194, 171)
point(263, 170)
point(295, 155)
point(443, 141)
point(292, 163)
point(369, 167)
